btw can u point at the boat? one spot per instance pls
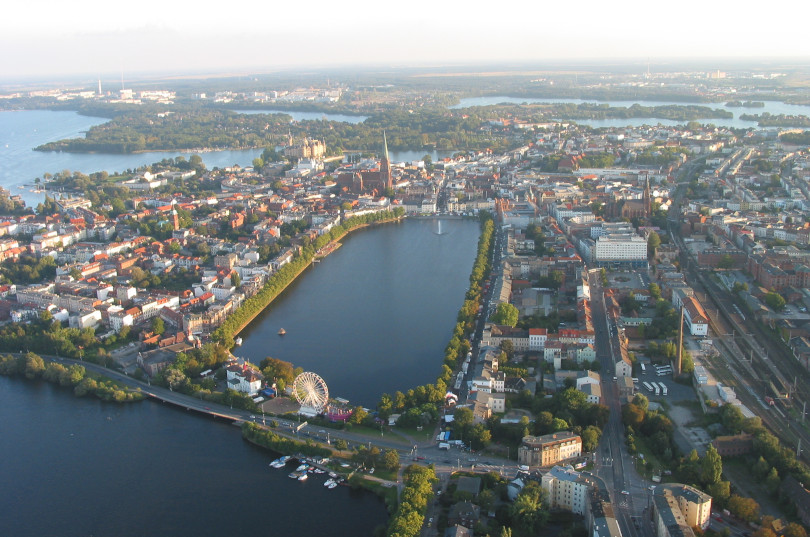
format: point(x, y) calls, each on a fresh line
point(328, 482)
point(278, 463)
point(237, 341)
point(281, 331)
point(332, 485)
point(303, 476)
point(318, 471)
point(294, 475)
point(302, 468)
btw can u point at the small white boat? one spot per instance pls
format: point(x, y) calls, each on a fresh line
point(237, 341)
point(332, 485)
point(328, 482)
point(303, 476)
point(302, 468)
point(278, 463)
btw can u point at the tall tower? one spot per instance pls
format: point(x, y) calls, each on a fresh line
point(99, 87)
point(646, 198)
point(385, 166)
point(676, 371)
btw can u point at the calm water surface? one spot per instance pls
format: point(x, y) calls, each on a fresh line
point(81, 467)
point(772, 107)
point(373, 317)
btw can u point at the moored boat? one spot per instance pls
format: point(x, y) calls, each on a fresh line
point(281, 461)
point(281, 331)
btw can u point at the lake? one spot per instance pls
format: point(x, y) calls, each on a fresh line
point(82, 467)
point(772, 107)
point(21, 131)
point(373, 317)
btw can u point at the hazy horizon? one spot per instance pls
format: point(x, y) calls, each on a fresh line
point(55, 39)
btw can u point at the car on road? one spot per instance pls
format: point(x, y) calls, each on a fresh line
point(252, 417)
point(626, 493)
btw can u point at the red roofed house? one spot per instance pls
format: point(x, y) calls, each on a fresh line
point(695, 318)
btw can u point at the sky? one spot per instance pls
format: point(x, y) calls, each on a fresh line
point(43, 38)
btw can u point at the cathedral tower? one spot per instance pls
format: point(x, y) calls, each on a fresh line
point(385, 167)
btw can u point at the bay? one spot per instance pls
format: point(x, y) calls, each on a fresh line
point(22, 131)
point(772, 107)
point(297, 115)
point(82, 467)
point(373, 317)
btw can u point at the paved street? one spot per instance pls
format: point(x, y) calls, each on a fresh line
point(629, 492)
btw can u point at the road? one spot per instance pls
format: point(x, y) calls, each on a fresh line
point(629, 492)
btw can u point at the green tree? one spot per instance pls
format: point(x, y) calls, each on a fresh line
point(641, 401)
point(590, 438)
point(34, 365)
point(158, 327)
point(744, 508)
point(506, 314)
point(632, 416)
point(726, 262)
point(462, 417)
point(772, 481)
point(174, 378)
point(486, 500)
point(480, 436)
point(711, 467)
point(528, 513)
point(390, 459)
point(653, 242)
point(720, 491)
point(774, 301)
point(358, 415)
point(236, 280)
point(795, 530)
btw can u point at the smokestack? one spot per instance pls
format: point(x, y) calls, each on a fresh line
point(679, 353)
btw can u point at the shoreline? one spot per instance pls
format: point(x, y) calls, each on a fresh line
point(326, 250)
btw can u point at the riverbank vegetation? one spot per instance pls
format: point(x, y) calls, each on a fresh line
point(32, 367)
point(46, 335)
point(777, 120)
point(189, 126)
point(287, 274)
point(419, 406)
point(408, 519)
point(268, 439)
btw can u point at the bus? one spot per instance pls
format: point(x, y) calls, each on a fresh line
point(663, 388)
point(656, 389)
point(648, 387)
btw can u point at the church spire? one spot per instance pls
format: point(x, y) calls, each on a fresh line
point(385, 167)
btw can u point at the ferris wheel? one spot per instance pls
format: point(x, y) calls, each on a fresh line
point(311, 392)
